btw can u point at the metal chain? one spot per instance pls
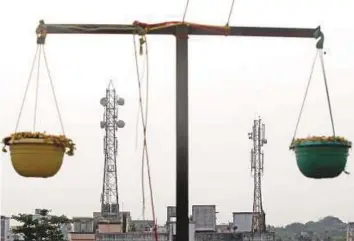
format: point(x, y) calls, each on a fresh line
point(28, 83)
point(327, 92)
point(37, 87)
point(53, 91)
point(307, 89)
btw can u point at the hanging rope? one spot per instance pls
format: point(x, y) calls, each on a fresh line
point(320, 53)
point(305, 96)
point(142, 74)
point(53, 91)
point(230, 13)
point(144, 118)
point(28, 83)
point(185, 11)
point(40, 49)
point(143, 123)
point(37, 87)
point(327, 92)
point(145, 143)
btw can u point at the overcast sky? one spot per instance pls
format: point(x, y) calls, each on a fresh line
point(232, 80)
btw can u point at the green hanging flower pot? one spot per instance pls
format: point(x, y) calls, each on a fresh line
point(321, 156)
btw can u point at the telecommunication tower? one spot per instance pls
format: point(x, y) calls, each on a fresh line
point(257, 162)
point(110, 123)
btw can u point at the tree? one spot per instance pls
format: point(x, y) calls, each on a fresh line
point(42, 227)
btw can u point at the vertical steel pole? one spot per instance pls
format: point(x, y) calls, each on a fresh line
point(182, 152)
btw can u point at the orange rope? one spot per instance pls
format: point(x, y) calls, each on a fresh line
point(162, 25)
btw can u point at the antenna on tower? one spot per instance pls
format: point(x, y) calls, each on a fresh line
point(257, 168)
point(110, 123)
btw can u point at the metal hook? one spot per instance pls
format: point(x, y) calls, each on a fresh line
point(41, 32)
point(318, 34)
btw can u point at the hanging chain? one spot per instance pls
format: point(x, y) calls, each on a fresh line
point(37, 87)
point(53, 91)
point(305, 96)
point(327, 92)
point(28, 83)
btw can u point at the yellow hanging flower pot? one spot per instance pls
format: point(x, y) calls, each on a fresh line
point(37, 154)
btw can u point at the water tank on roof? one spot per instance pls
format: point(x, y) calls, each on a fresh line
point(242, 221)
point(204, 217)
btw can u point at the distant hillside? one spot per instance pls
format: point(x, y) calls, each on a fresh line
point(327, 229)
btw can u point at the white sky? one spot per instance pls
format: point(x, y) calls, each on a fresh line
point(231, 81)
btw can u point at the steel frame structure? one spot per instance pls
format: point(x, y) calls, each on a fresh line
point(181, 33)
point(109, 196)
point(257, 163)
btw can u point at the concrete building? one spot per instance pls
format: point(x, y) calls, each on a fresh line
point(5, 229)
point(142, 225)
point(224, 228)
point(171, 213)
point(350, 231)
point(204, 217)
point(171, 229)
point(202, 227)
point(162, 229)
point(267, 236)
point(107, 228)
point(242, 221)
point(81, 236)
point(83, 224)
point(83, 229)
point(132, 236)
point(214, 236)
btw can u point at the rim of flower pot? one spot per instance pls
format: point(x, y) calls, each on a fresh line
point(318, 143)
point(31, 141)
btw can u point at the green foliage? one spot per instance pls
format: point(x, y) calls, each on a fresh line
point(327, 229)
point(42, 227)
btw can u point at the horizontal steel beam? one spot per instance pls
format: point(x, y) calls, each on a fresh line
point(44, 29)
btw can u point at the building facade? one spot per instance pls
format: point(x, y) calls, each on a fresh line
point(350, 231)
point(242, 221)
point(5, 229)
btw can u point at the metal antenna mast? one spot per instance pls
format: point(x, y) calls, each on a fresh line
point(257, 163)
point(110, 123)
point(181, 31)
